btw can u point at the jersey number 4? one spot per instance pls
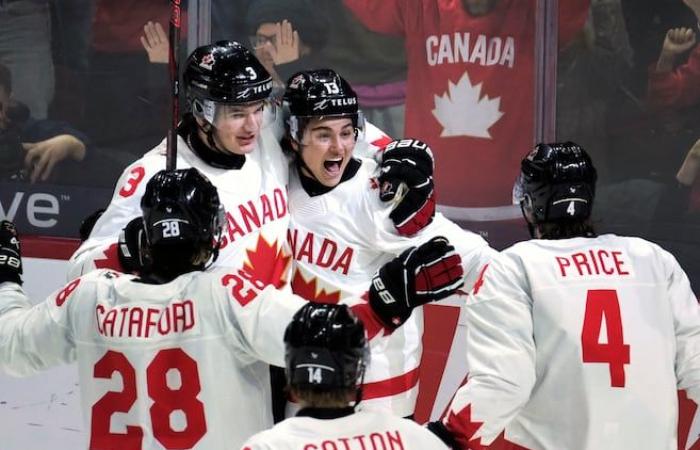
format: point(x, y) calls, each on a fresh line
point(603, 304)
point(166, 400)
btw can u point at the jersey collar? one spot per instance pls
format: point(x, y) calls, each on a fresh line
point(326, 413)
point(220, 160)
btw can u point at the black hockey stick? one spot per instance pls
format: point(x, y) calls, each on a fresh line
point(173, 66)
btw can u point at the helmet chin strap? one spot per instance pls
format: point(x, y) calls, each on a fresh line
point(211, 142)
point(531, 227)
point(302, 164)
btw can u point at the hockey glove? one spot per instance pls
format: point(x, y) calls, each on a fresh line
point(440, 430)
point(129, 248)
point(407, 179)
point(419, 275)
point(10, 255)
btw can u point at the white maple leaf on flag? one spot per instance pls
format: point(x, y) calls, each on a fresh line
point(462, 111)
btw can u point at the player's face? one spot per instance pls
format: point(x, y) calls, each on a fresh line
point(479, 7)
point(327, 147)
point(238, 126)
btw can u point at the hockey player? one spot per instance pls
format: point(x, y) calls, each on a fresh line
point(326, 356)
point(341, 232)
point(179, 358)
point(576, 341)
point(224, 138)
point(231, 135)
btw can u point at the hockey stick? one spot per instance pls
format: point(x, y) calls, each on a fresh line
point(173, 66)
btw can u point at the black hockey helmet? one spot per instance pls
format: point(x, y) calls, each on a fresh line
point(557, 183)
point(183, 221)
point(224, 72)
point(326, 348)
point(319, 93)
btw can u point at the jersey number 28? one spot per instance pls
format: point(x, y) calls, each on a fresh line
point(603, 303)
point(166, 400)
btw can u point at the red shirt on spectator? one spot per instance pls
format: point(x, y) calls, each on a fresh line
point(117, 25)
point(678, 88)
point(470, 88)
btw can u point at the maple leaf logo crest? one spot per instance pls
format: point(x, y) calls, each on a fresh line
point(308, 289)
point(268, 262)
point(465, 429)
point(463, 111)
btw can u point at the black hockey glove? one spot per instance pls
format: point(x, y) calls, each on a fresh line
point(129, 248)
point(10, 254)
point(440, 430)
point(407, 179)
point(419, 275)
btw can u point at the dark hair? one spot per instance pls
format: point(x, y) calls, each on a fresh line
point(336, 398)
point(565, 229)
point(5, 78)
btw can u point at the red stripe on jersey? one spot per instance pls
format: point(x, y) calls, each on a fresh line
point(439, 328)
point(391, 386)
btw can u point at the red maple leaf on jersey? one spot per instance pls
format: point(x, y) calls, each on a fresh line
point(268, 263)
point(464, 429)
point(462, 426)
point(110, 260)
point(309, 290)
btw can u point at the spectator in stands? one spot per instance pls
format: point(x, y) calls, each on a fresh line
point(286, 36)
point(671, 86)
point(25, 47)
point(470, 90)
point(330, 36)
point(33, 148)
point(127, 108)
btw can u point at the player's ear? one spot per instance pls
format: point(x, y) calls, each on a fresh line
point(295, 145)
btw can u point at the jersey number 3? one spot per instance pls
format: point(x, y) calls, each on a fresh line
point(166, 400)
point(604, 304)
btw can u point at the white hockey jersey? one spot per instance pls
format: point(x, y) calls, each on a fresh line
point(579, 344)
point(254, 197)
point(364, 430)
point(338, 241)
point(177, 365)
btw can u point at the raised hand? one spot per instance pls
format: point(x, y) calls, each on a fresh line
point(155, 42)
point(286, 48)
point(678, 40)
